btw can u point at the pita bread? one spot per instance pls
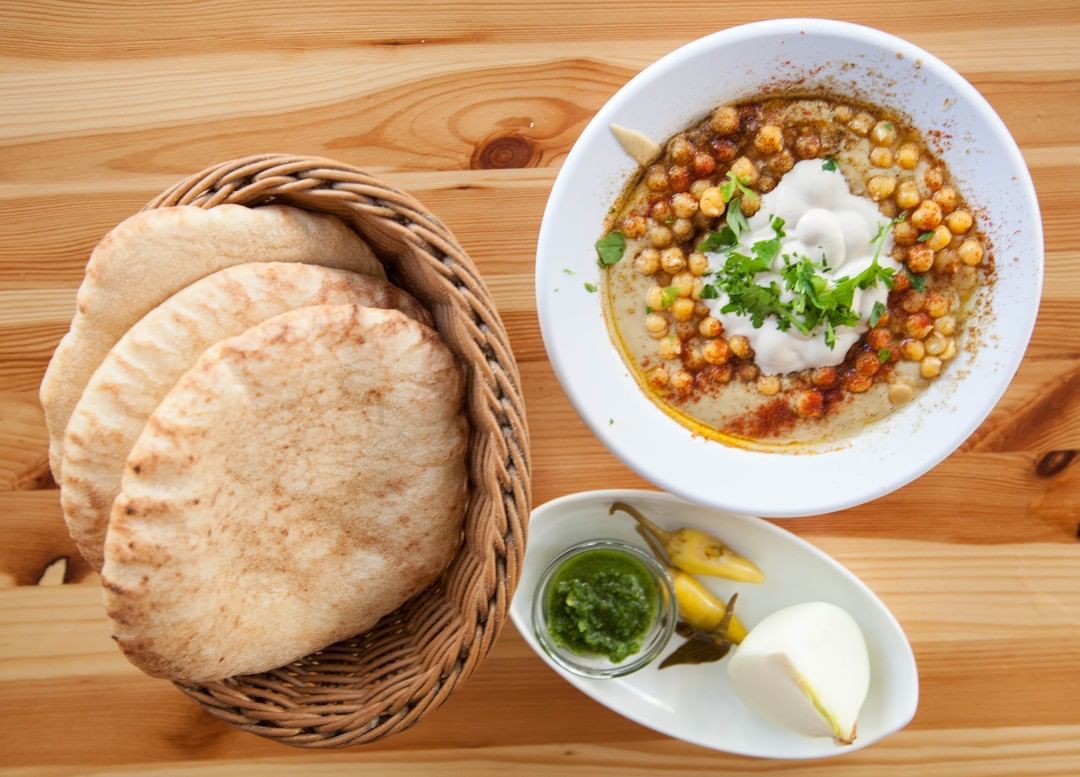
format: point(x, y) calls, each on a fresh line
point(153, 255)
point(148, 360)
point(302, 480)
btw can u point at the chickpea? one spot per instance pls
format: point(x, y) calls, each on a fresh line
point(685, 330)
point(879, 338)
point(669, 348)
point(725, 120)
point(935, 343)
point(946, 325)
point(647, 262)
point(633, 226)
point(936, 304)
point(696, 289)
point(681, 151)
point(918, 325)
point(940, 238)
point(698, 187)
point(716, 351)
point(946, 261)
point(673, 260)
point(842, 114)
point(970, 252)
point(861, 124)
point(693, 358)
point(810, 404)
point(656, 325)
point(683, 284)
point(856, 383)
point(748, 372)
point(697, 263)
point(920, 258)
point(959, 222)
point(749, 204)
point(724, 150)
point(914, 301)
point(654, 298)
point(880, 186)
point(664, 278)
point(745, 170)
point(740, 346)
point(899, 393)
point(659, 377)
point(682, 229)
point(884, 133)
point(769, 139)
point(661, 212)
point(966, 278)
point(900, 280)
point(679, 179)
point(701, 310)
point(880, 156)
point(711, 202)
point(710, 327)
point(781, 163)
point(659, 236)
point(704, 164)
point(947, 198)
point(867, 364)
point(682, 380)
point(950, 350)
point(824, 377)
point(930, 367)
point(935, 178)
point(927, 216)
point(656, 179)
point(907, 156)
point(912, 350)
point(768, 385)
point(808, 146)
point(907, 195)
point(766, 183)
point(904, 234)
point(683, 205)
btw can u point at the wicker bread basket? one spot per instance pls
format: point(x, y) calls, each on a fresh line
point(382, 682)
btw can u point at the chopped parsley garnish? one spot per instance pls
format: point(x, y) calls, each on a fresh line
point(648, 309)
point(668, 296)
point(590, 287)
point(610, 247)
point(736, 221)
point(883, 355)
point(568, 271)
point(725, 238)
point(925, 236)
point(876, 313)
point(917, 281)
point(829, 164)
point(733, 185)
point(814, 300)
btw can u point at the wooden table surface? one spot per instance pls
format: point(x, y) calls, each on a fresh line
point(472, 107)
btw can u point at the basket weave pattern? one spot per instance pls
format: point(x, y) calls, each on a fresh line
point(382, 682)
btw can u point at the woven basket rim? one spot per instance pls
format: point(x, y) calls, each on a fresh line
point(384, 681)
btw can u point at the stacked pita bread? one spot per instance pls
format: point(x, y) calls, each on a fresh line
point(259, 440)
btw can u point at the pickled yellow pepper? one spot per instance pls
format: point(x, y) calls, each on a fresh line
point(694, 551)
point(698, 606)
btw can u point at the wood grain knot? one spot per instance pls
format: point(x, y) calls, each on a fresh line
point(504, 151)
point(1053, 463)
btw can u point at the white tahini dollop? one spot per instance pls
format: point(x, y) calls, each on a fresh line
point(823, 220)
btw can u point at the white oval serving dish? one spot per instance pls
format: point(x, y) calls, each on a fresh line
point(697, 703)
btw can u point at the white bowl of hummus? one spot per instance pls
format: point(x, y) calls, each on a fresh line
point(790, 267)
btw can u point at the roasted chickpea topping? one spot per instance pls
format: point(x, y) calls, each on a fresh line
point(712, 202)
point(946, 261)
point(682, 380)
point(769, 139)
point(661, 212)
point(862, 123)
point(748, 373)
point(842, 114)
point(918, 325)
point(745, 170)
point(682, 229)
point(904, 234)
point(740, 346)
point(856, 383)
point(970, 253)
point(656, 324)
point(913, 301)
point(935, 343)
point(710, 327)
point(946, 325)
point(659, 236)
point(725, 120)
point(682, 309)
point(879, 338)
point(959, 222)
point(656, 178)
point(880, 186)
point(647, 262)
point(654, 298)
point(884, 133)
point(920, 258)
point(683, 205)
point(685, 330)
point(683, 283)
point(824, 377)
point(633, 226)
point(749, 204)
point(716, 351)
point(810, 404)
point(867, 364)
point(669, 348)
point(881, 156)
point(781, 163)
point(766, 183)
point(907, 156)
point(912, 349)
point(724, 150)
point(681, 150)
point(693, 358)
point(930, 367)
point(699, 186)
point(678, 178)
point(946, 197)
point(935, 178)
point(808, 146)
point(937, 305)
point(927, 216)
point(704, 164)
point(701, 310)
point(697, 263)
point(908, 196)
point(768, 385)
point(659, 377)
point(673, 260)
point(940, 238)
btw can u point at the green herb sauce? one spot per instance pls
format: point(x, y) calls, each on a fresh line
point(602, 602)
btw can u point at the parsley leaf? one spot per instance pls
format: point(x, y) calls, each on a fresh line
point(883, 355)
point(725, 238)
point(777, 224)
point(829, 164)
point(736, 221)
point(918, 282)
point(876, 313)
point(830, 334)
point(667, 296)
point(590, 287)
point(568, 271)
point(708, 291)
point(648, 309)
point(610, 247)
point(925, 236)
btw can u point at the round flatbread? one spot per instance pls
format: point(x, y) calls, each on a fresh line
point(302, 480)
point(148, 360)
point(153, 255)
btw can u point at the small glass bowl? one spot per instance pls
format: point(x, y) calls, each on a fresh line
point(655, 640)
